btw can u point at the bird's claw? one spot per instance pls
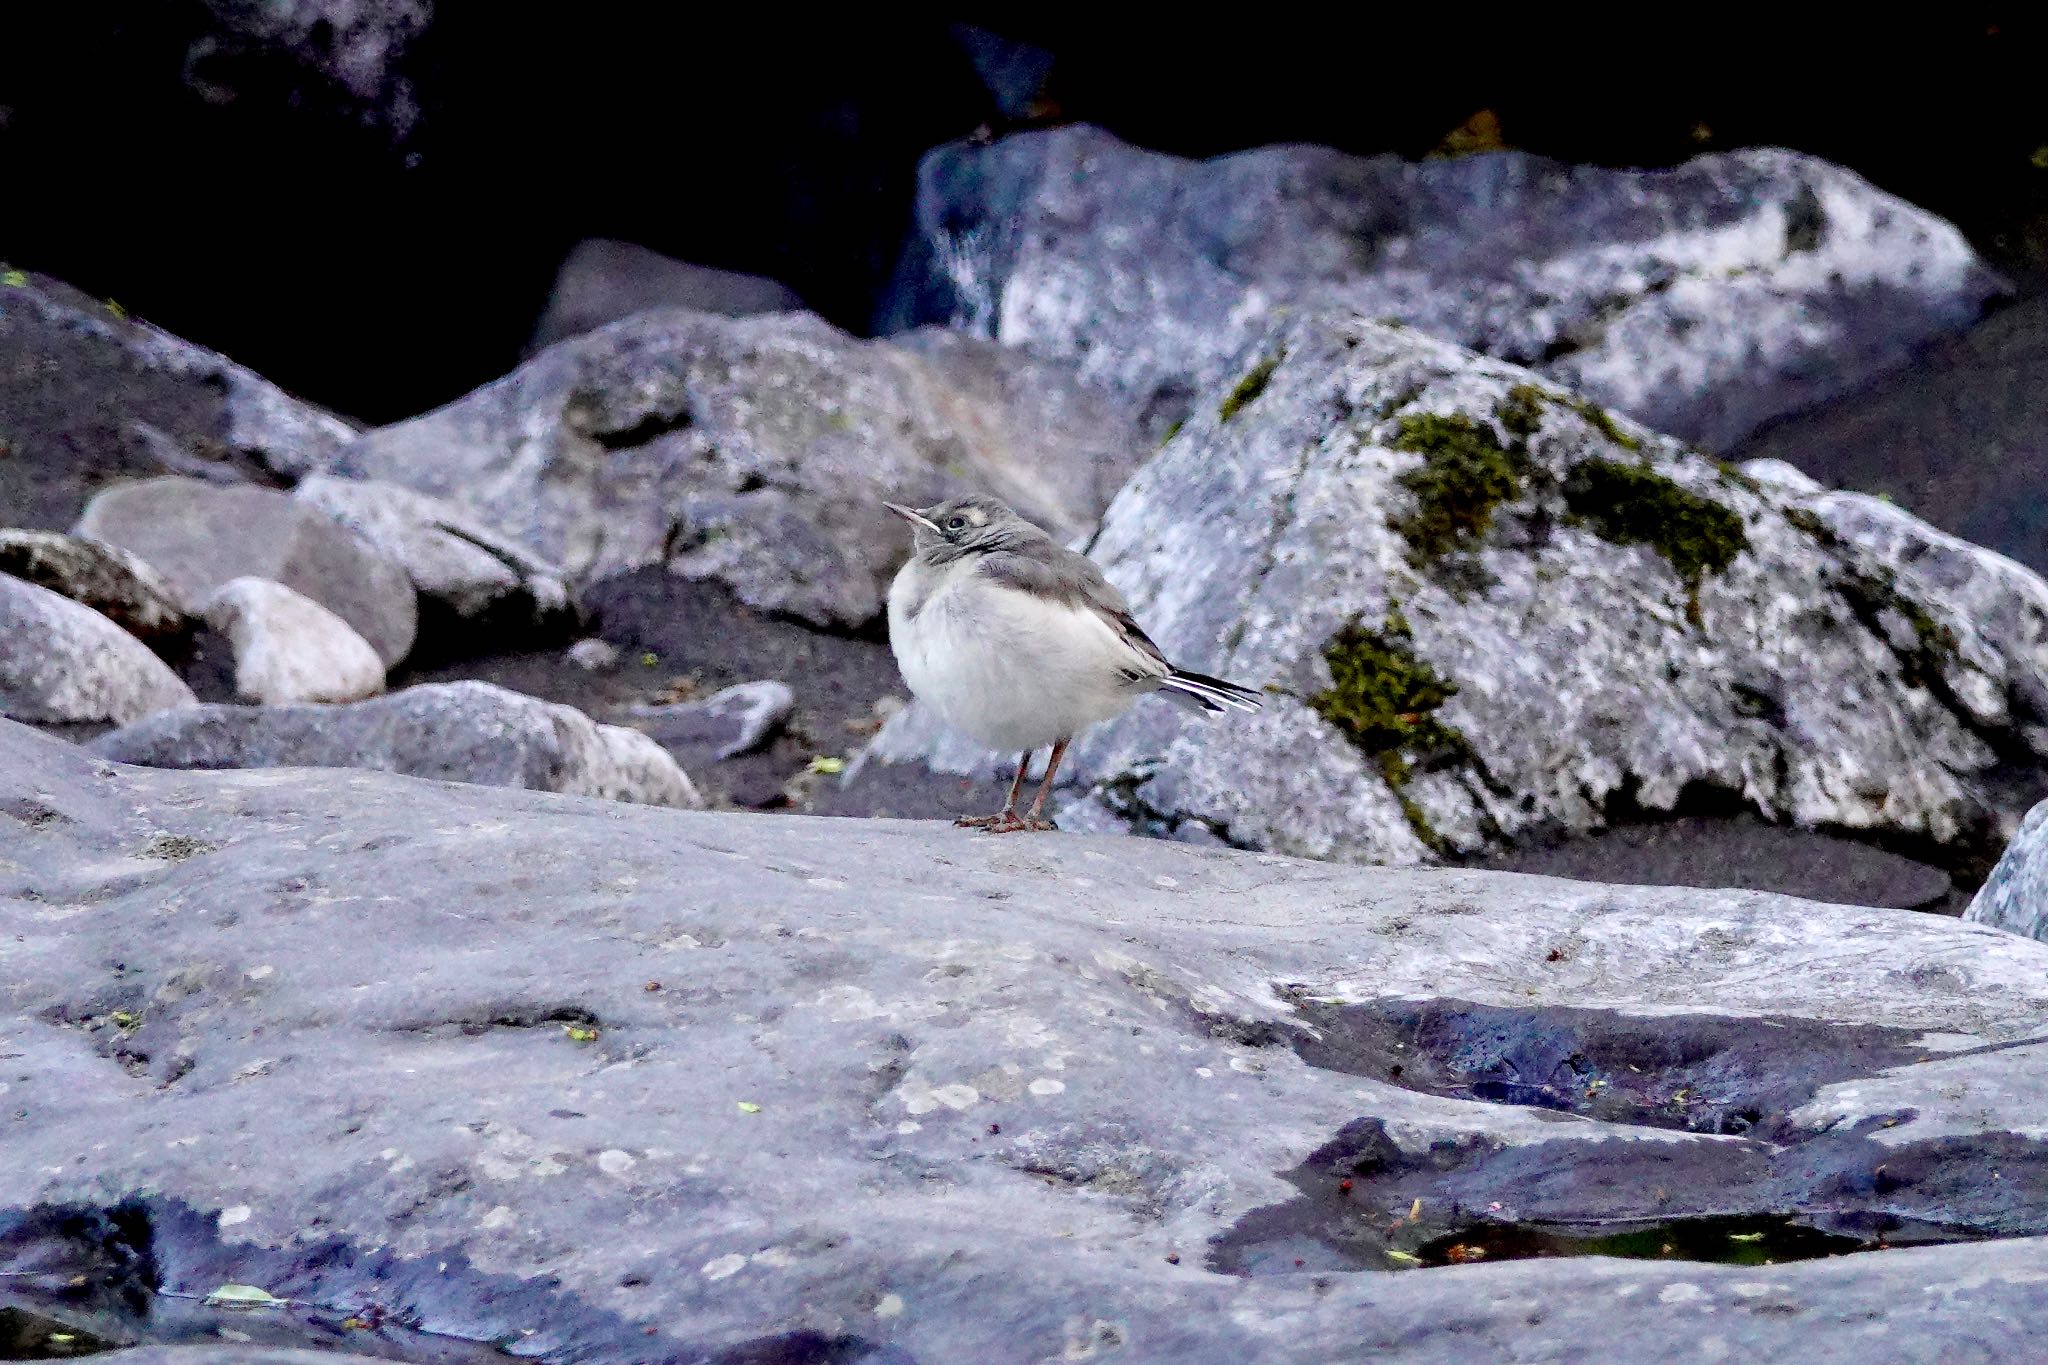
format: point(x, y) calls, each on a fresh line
point(1006, 822)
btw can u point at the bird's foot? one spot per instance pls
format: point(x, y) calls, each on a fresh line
point(985, 821)
point(1013, 823)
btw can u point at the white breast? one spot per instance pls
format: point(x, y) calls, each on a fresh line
point(1013, 671)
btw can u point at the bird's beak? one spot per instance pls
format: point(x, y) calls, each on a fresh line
point(913, 516)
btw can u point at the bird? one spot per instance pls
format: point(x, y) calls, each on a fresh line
point(1020, 642)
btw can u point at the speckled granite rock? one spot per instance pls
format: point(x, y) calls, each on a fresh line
point(615, 1085)
point(61, 663)
point(114, 583)
point(1487, 612)
point(1702, 300)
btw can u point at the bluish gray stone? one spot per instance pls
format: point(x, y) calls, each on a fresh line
point(619, 1084)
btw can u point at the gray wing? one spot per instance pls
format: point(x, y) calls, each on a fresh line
point(1049, 569)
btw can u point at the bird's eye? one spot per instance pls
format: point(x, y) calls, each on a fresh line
point(956, 523)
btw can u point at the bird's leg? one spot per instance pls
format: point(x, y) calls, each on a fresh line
point(1007, 816)
point(1034, 819)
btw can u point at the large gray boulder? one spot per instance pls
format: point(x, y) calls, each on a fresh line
point(199, 536)
point(621, 1085)
point(2015, 895)
point(62, 663)
point(111, 581)
point(90, 392)
point(751, 451)
point(602, 280)
point(1960, 436)
point(1702, 300)
point(1486, 612)
point(454, 732)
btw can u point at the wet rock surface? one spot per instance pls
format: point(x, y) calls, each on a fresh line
point(1703, 300)
point(624, 1084)
point(751, 452)
point(1487, 615)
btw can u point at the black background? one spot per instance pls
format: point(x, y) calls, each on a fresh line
point(381, 274)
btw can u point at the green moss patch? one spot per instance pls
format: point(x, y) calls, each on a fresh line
point(1631, 505)
point(1385, 700)
point(1247, 390)
point(1597, 418)
point(1464, 475)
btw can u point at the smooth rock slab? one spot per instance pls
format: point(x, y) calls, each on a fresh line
point(2015, 896)
point(114, 583)
point(752, 452)
point(199, 536)
point(1702, 300)
point(455, 732)
point(289, 648)
point(652, 1085)
point(1487, 614)
point(61, 662)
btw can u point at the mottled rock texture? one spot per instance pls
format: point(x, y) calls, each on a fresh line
point(477, 588)
point(114, 583)
point(752, 451)
point(1486, 612)
point(1702, 300)
point(611, 1084)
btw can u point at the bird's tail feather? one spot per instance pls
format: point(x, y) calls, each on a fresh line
point(1211, 694)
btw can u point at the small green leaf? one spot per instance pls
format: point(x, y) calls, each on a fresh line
point(124, 1020)
point(117, 310)
point(14, 279)
point(1403, 1257)
point(243, 1296)
point(1745, 1236)
point(749, 1107)
point(580, 1033)
point(826, 766)
point(649, 659)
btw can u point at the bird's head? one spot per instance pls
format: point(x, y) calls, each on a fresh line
point(961, 526)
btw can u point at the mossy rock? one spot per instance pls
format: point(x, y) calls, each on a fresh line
point(1465, 474)
point(1247, 390)
point(1634, 505)
point(1384, 699)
